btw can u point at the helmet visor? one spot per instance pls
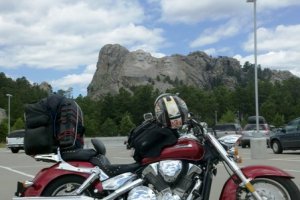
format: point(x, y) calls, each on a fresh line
point(173, 111)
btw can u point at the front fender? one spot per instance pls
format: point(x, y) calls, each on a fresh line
point(47, 175)
point(251, 172)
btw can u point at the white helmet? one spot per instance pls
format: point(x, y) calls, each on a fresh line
point(170, 110)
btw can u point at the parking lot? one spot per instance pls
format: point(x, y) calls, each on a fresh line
point(15, 167)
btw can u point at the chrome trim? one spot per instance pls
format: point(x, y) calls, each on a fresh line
point(141, 193)
point(124, 189)
point(87, 182)
point(27, 184)
point(152, 168)
point(52, 157)
point(116, 182)
point(66, 166)
point(63, 165)
point(48, 158)
point(193, 169)
point(183, 146)
point(170, 169)
point(168, 195)
point(195, 188)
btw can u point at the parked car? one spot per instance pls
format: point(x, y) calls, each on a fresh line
point(287, 138)
point(249, 131)
point(15, 140)
point(227, 129)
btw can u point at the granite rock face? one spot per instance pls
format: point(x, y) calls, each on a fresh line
point(117, 67)
point(46, 87)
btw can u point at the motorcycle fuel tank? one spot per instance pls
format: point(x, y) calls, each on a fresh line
point(184, 149)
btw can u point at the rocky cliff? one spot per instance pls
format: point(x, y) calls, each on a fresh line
point(117, 67)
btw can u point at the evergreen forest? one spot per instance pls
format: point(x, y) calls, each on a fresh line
point(116, 115)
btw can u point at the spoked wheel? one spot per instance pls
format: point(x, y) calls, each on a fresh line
point(66, 186)
point(276, 188)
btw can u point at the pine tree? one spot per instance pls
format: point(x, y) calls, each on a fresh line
point(126, 124)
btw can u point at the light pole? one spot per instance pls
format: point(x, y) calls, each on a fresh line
point(255, 65)
point(258, 145)
point(9, 96)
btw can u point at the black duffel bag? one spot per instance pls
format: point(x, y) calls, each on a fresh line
point(149, 139)
point(40, 125)
point(39, 140)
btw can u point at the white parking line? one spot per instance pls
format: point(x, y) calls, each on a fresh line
point(275, 159)
point(284, 159)
point(292, 170)
point(16, 171)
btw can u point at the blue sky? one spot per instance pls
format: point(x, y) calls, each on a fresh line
point(58, 41)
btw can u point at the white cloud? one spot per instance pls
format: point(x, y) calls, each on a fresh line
point(211, 51)
point(276, 60)
point(211, 36)
point(278, 48)
point(217, 52)
point(275, 4)
point(133, 35)
point(194, 11)
point(281, 38)
point(284, 59)
point(66, 34)
point(78, 81)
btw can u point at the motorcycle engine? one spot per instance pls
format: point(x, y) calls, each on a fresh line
point(168, 179)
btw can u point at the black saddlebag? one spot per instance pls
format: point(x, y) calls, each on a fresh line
point(40, 125)
point(52, 122)
point(39, 140)
point(70, 127)
point(149, 139)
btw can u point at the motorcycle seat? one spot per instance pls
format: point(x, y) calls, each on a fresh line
point(78, 154)
point(84, 154)
point(113, 169)
point(99, 146)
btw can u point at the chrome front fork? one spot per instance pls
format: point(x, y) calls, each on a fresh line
point(233, 166)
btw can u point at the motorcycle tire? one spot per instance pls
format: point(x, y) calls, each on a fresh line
point(66, 186)
point(278, 188)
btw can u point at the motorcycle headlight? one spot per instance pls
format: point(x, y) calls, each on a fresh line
point(170, 169)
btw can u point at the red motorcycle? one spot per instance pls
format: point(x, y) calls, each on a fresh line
point(181, 171)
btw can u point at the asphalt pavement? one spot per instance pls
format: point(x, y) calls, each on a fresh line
point(20, 167)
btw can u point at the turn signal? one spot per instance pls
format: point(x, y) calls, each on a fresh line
point(236, 151)
point(237, 158)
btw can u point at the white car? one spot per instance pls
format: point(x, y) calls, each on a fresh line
point(249, 132)
point(15, 140)
point(227, 129)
